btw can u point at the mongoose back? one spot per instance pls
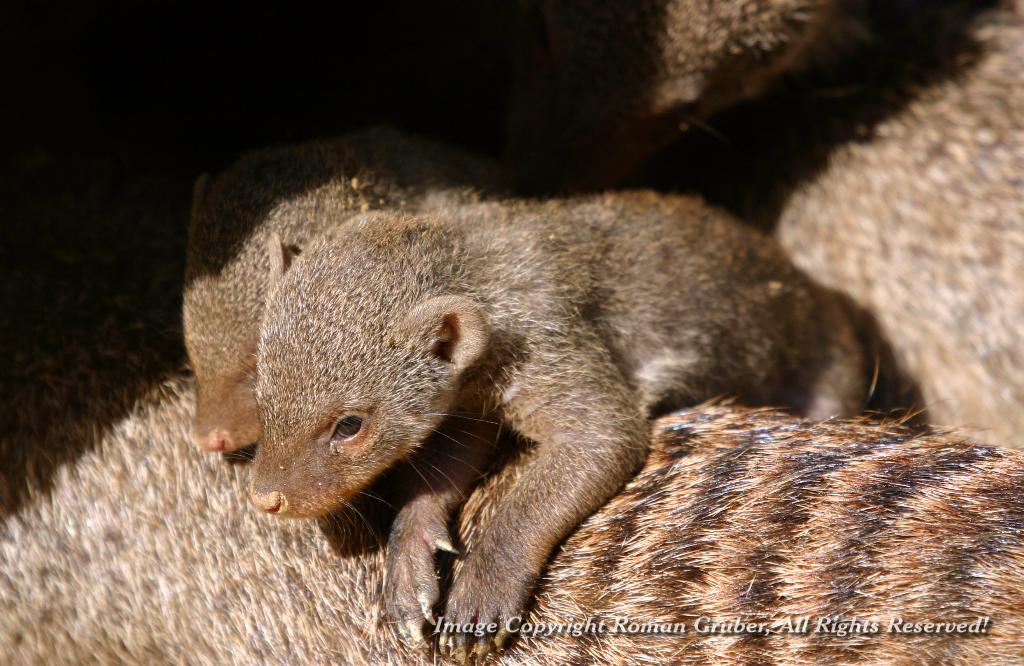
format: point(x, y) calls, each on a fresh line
point(870, 521)
point(866, 531)
point(570, 321)
point(296, 192)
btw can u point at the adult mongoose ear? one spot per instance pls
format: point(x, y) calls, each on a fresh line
point(453, 328)
point(199, 189)
point(279, 255)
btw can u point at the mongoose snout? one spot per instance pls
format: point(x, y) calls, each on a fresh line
point(271, 502)
point(226, 417)
point(212, 440)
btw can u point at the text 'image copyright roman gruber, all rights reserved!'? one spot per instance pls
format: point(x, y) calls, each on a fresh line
point(734, 626)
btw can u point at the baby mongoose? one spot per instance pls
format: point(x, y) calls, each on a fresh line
point(570, 321)
point(296, 192)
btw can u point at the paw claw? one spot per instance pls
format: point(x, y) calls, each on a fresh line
point(459, 651)
point(445, 544)
point(411, 582)
point(410, 632)
point(414, 631)
point(481, 649)
point(426, 605)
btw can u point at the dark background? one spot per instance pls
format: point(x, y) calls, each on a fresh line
point(112, 109)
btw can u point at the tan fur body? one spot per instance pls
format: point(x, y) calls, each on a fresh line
point(162, 563)
point(891, 174)
point(297, 192)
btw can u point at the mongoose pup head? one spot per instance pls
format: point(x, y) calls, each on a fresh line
point(381, 364)
point(297, 192)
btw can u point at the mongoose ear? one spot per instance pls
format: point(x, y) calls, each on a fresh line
point(454, 328)
point(280, 256)
point(199, 190)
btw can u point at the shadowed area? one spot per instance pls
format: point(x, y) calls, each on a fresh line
point(114, 111)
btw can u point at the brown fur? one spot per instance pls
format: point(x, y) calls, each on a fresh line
point(771, 518)
point(296, 192)
point(930, 209)
point(568, 321)
point(600, 86)
point(893, 175)
point(161, 563)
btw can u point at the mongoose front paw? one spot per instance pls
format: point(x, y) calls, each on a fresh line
point(483, 600)
point(410, 580)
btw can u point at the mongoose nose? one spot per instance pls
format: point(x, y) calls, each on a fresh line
point(273, 502)
point(213, 440)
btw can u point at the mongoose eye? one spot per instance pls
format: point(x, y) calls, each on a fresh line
point(348, 426)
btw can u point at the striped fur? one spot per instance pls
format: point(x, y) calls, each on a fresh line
point(143, 552)
point(751, 514)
